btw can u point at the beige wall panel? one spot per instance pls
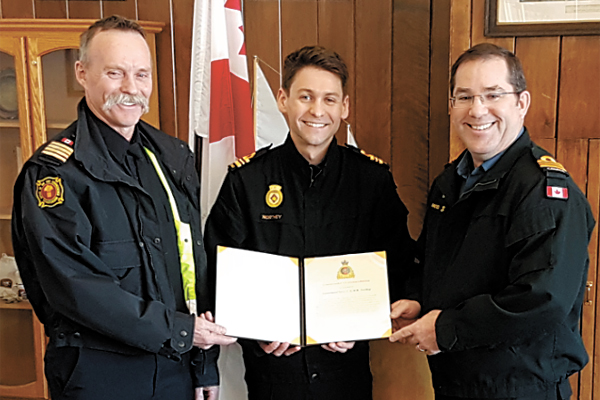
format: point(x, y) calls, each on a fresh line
point(336, 31)
point(540, 58)
point(16, 9)
point(579, 98)
point(590, 308)
point(460, 40)
point(410, 106)
point(439, 122)
point(50, 9)
point(573, 154)
point(84, 9)
point(262, 37)
point(183, 22)
point(160, 10)
point(374, 76)
point(299, 24)
point(407, 378)
point(124, 8)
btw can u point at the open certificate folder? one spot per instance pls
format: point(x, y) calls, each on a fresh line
point(312, 301)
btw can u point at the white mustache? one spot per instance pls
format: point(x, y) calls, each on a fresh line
point(126, 99)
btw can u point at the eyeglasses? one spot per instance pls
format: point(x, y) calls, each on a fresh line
point(487, 99)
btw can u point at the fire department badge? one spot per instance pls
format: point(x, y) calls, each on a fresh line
point(274, 196)
point(50, 192)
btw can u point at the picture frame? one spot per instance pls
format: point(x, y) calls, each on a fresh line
point(541, 17)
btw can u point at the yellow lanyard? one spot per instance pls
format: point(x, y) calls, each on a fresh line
point(184, 242)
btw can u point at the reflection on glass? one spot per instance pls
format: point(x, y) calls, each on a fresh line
point(10, 146)
point(62, 92)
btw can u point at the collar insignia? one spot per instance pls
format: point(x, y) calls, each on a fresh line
point(50, 192)
point(274, 197)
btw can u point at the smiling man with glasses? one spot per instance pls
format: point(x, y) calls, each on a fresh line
point(503, 250)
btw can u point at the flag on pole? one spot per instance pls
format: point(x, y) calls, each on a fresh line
point(221, 117)
point(220, 110)
point(270, 126)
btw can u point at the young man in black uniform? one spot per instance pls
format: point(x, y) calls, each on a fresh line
point(504, 250)
point(106, 233)
point(310, 197)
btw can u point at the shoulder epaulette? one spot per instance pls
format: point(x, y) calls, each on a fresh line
point(546, 162)
point(240, 162)
point(556, 175)
point(58, 151)
point(364, 153)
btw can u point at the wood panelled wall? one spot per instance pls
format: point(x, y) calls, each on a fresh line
point(563, 76)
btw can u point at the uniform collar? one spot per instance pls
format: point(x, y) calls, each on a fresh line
point(300, 165)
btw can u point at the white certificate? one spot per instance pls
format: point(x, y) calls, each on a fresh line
point(318, 300)
point(258, 295)
point(347, 298)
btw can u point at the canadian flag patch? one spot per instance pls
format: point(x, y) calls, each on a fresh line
point(557, 192)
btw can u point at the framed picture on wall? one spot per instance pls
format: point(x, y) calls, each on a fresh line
point(542, 17)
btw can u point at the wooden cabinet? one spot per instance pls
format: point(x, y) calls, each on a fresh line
point(38, 99)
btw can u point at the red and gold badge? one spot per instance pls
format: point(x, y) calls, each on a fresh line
point(50, 192)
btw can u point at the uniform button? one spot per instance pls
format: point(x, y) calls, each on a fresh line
point(189, 178)
point(157, 240)
point(77, 335)
point(174, 171)
point(61, 335)
point(183, 333)
point(141, 244)
point(199, 243)
point(181, 344)
point(314, 376)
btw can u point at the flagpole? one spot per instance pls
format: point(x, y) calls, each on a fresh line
point(280, 48)
point(254, 98)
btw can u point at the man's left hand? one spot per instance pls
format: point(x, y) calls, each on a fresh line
point(207, 393)
point(338, 347)
point(420, 334)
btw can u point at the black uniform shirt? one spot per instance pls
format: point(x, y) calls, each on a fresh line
point(131, 156)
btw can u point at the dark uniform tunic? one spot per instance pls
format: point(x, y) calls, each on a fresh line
point(507, 264)
point(100, 264)
point(347, 204)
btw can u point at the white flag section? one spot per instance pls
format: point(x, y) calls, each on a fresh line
point(269, 124)
point(220, 116)
point(349, 136)
point(220, 111)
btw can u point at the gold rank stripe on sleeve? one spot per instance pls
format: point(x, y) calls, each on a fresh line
point(58, 150)
point(242, 161)
point(372, 157)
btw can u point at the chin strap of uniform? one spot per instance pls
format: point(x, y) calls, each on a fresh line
point(184, 242)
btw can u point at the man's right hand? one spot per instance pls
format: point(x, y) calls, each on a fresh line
point(278, 349)
point(207, 333)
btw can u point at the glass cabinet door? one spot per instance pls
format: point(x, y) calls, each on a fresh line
point(61, 90)
point(11, 158)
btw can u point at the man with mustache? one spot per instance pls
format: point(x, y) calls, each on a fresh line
point(106, 233)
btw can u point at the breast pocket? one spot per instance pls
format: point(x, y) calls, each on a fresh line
point(124, 260)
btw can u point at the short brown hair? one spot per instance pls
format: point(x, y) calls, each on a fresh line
point(114, 22)
point(314, 56)
point(485, 51)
